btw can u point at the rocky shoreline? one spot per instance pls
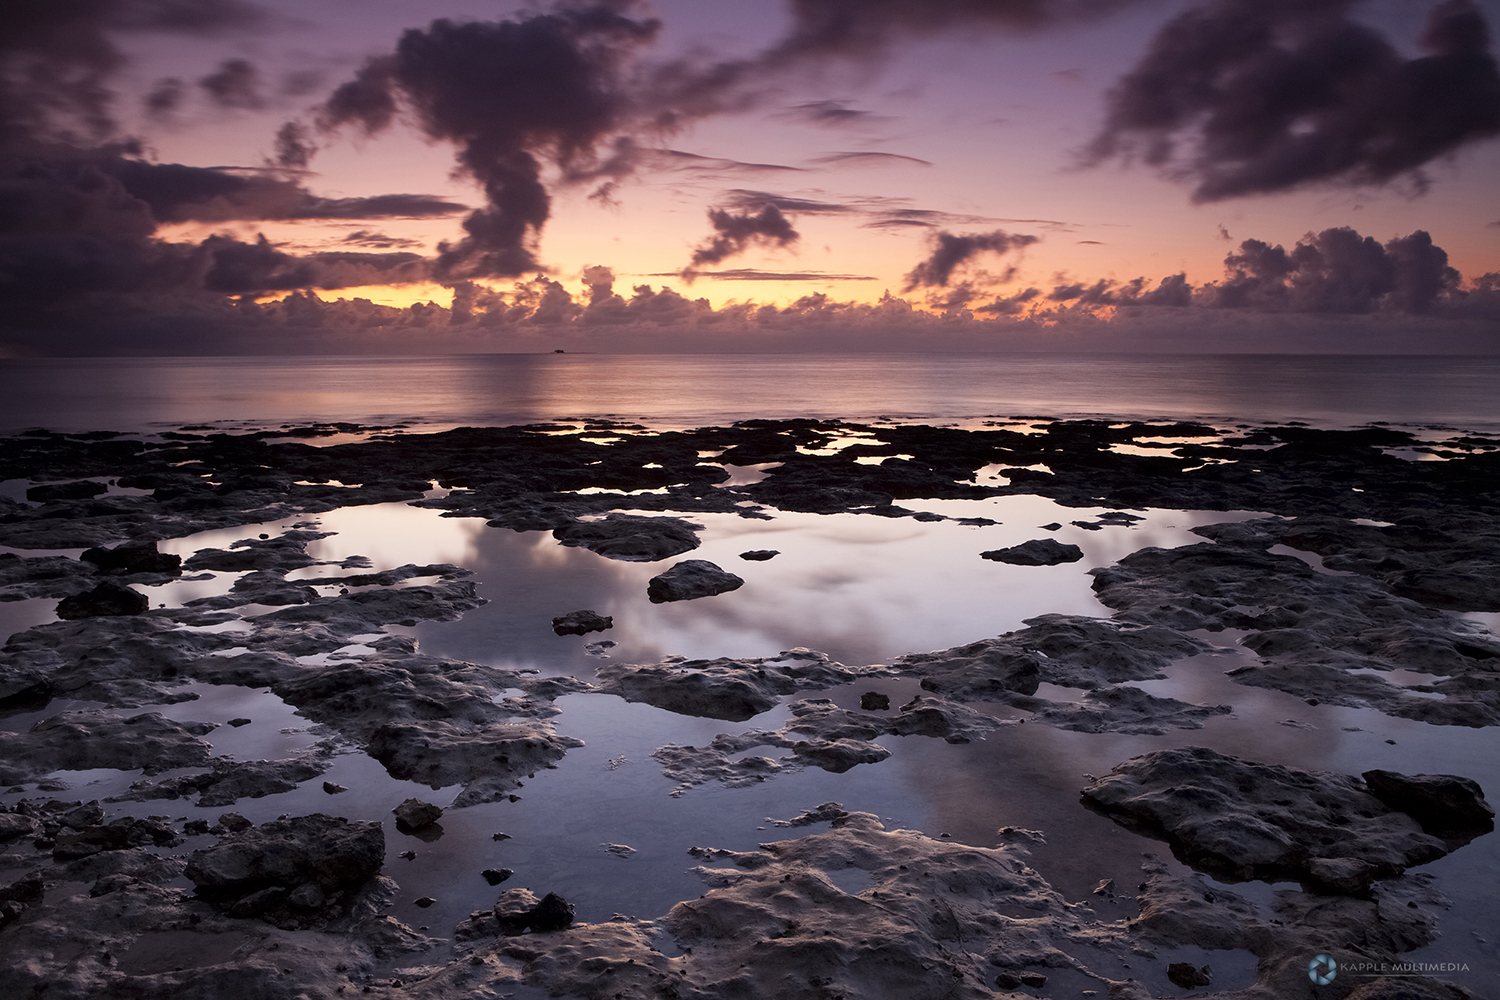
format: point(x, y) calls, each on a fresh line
point(1351, 577)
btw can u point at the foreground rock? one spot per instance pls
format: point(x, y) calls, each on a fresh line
point(1037, 552)
point(690, 580)
point(296, 872)
point(931, 919)
point(1240, 820)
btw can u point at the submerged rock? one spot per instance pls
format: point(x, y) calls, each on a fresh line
point(581, 623)
point(1037, 552)
point(1240, 820)
point(690, 580)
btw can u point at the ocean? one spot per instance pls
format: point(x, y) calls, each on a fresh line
point(701, 390)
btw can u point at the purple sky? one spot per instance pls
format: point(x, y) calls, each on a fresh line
point(229, 176)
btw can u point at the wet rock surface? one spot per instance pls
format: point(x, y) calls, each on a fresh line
point(581, 623)
point(1238, 820)
point(774, 921)
point(690, 580)
point(1037, 552)
point(632, 538)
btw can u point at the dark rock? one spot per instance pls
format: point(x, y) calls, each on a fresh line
point(581, 623)
point(1037, 552)
point(494, 876)
point(553, 913)
point(1033, 979)
point(690, 580)
point(425, 902)
point(133, 557)
point(1188, 976)
point(1007, 981)
point(333, 789)
point(760, 555)
point(237, 723)
point(414, 814)
point(1445, 804)
point(107, 599)
point(80, 490)
point(631, 537)
point(874, 701)
point(1238, 819)
point(82, 740)
point(330, 852)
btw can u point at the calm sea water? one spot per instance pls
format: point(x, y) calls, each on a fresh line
point(697, 390)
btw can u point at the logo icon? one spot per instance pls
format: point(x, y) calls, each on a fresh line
point(1322, 969)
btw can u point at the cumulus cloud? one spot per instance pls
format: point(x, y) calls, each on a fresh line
point(735, 233)
point(949, 250)
point(1247, 96)
point(1337, 271)
point(508, 95)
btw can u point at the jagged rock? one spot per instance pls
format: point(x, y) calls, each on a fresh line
point(724, 688)
point(254, 871)
point(1238, 819)
point(229, 781)
point(414, 814)
point(631, 537)
point(81, 740)
point(690, 580)
point(1037, 552)
point(107, 599)
point(581, 623)
point(1445, 804)
point(874, 701)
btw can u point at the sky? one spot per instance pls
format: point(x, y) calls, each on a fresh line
point(387, 176)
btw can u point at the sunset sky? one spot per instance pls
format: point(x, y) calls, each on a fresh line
point(214, 176)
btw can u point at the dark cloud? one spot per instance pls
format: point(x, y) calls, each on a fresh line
point(676, 159)
point(751, 274)
point(294, 147)
point(1095, 243)
point(376, 240)
point(865, 28)
point(735, 233)
point(235, 84)
point(870, 159)
point(177, 193)
point(1337, 271)
point(831, 114)
point(949, 250)
point(755, 201)
point(1250, 96)
point(165, 97)
point(507, 94)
